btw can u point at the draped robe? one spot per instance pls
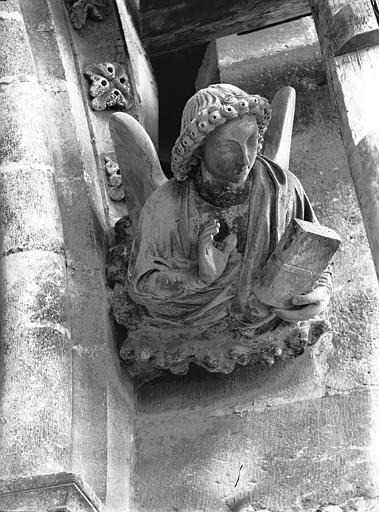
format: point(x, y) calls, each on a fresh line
point(166, 243)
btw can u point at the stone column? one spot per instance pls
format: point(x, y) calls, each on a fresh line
point(35, 358)
point(66, 408)
point(35, 339)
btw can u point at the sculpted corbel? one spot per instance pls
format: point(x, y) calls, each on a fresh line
point(210, 252)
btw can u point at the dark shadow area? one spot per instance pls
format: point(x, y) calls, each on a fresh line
point(195, 373)
point(175, 74)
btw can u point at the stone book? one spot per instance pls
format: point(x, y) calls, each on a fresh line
point(302, 254)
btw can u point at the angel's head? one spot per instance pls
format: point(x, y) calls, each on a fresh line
point(216, 115)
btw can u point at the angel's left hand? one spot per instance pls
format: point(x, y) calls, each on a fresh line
point(310, 305)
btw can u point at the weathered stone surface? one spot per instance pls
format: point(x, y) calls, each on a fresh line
point(42, 35)
point(93, 370)
point(15, 62)
point(29, 217)
point(63, 410)
point(36, 365)
point(299, 457)
point(109, 86)
point(21, 137)
point(59, 491)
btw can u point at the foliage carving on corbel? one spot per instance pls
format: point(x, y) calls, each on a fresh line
point(81, 10)
point(114, 179)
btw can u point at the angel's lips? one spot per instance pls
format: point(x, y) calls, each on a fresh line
point(239, 173)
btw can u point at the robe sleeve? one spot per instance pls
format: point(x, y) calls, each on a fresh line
point(163, 261)
point(163, 267)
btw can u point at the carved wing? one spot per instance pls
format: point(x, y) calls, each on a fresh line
point(138, 161)
point(277, 145)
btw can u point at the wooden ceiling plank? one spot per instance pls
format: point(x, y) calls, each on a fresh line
point(168, 25)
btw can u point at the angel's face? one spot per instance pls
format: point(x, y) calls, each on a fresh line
point(230, 151)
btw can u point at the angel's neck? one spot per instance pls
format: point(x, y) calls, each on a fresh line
point(219, 192)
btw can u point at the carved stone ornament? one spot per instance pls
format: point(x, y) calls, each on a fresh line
point(115, 188)
point(225, 263)
point(81, 10)
point(109, 86)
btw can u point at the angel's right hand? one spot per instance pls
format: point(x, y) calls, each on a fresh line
point(211, 261)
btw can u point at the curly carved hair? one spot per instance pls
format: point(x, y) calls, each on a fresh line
point(204, 112)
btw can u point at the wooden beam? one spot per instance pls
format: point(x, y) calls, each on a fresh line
point(348, 38)
point(168, 25)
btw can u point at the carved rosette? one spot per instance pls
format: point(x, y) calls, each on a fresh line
point(109, 86)
point(81, 10)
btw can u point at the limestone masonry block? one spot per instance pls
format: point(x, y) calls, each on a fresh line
point(29, 215)
point(14, 60)
point(35, 359)
point(22, 121)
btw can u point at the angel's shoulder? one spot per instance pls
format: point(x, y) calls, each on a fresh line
point(292, 179)
point(166, 197)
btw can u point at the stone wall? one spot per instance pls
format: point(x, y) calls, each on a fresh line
point(299, 436)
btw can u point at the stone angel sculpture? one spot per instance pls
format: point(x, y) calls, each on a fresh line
point(194, 245)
